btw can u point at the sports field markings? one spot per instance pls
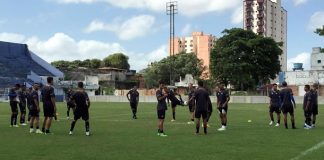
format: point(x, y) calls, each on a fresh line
point(306, 152)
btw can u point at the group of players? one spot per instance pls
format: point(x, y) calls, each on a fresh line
point(29, 97)
point(198, 102)
point(283, 101)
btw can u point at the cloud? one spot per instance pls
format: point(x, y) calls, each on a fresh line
point(299, 2)
point(137, 26)
point(237, 16)
point(185, 7)
point(316, 21)
point(63, 47)
point(300, 58)
point(186, 30)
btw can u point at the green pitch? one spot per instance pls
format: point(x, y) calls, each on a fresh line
point(115, 136)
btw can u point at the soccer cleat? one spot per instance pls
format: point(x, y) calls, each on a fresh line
point(163, 135)
point(15, 126)
point(23, 124)
point(277, 125)
point(31, 130)
point(271, 122)
point(173, 120)
point(70, 133)
point(38, 131)
point(191, 122)
point(306, 126)
point(223, 128)
point(158, 134)
point(87, 133)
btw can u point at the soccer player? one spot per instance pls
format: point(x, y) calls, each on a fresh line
point(222, 106)
point(274, 106)
point(315, 103)
point(191, 103)
point(82, 105)
point(69, 103)
point(174, 101)
point(161, 95)
point(34, 110)
point(287, 104)
point(22, 104)
point(201, 98)
point(133, 97)
point(28, 97)
point(49, 105)
point(209, 110)
point(307, 106)
point(13, 100)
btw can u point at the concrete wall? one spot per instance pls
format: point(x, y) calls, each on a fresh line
point(234, 99)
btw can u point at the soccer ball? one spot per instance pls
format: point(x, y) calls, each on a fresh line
point(185, 103)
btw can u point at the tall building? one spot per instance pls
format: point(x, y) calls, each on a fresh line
point(267, 18)
point(198, 43)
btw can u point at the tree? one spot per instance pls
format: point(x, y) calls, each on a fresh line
point(95, 63)
point(244, 59)
point(320, 31)
point(184, 63)
point(61, 64)
point(117, 60)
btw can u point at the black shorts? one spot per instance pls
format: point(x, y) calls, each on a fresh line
point(192, 108)
point(133, 105)
point(161, 114)
point(84, 114)
point(14, 106)
point(308, 113)
point(274, 108)
point(70, 104)
point(48, 111)
point(220, 110)
point(22, 107)
point(287, 109)
point(315, 110)
point(34, 113)
point(202, 114)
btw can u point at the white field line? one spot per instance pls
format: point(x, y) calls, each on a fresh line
point(306, 152)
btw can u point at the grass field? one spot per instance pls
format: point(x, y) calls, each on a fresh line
point(116, 136)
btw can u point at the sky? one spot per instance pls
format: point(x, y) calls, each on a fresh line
point(87, 29)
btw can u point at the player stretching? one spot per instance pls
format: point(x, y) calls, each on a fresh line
point(287, 104)
point(307, 106)
point(82, 105)
point(191, 103)
point(222, 106)
point(201, 97)
point(315, 103)
point(274, 106)
point(33, 102)
point(174, 102)
point(49, 105)
point(133, 99)
point(161, 95)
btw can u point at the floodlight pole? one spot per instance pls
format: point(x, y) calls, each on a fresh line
point(171, 9)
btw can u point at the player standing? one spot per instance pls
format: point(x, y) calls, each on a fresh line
point(69, 103)
point(315, 103)
point(82, 105)
point(49, 104)
point(287, 104)
point(222, 105)
point(191, 103)
point(274, 106)
point(161, 95)
point(33, 102)
point(13, 100)
point(307, 106)
point(133, 97)
point(22, 104)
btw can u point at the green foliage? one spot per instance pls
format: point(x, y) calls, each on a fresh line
point(244, 59)
point(88, 63)
point(109, 90)
point(95, 63)
point(117, 60)
point(320, 31)
point(182, 63)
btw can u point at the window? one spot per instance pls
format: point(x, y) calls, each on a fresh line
point(319, 61)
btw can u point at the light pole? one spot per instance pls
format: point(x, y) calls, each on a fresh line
point(171, 9)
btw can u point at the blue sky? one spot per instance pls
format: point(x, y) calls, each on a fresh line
point(81, 29)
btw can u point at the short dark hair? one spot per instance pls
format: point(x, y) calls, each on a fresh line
point(49, 79)
point(307, 86)
point(80, 84)
point(284, 83)
point(275, 84)
point(161, 82)
point(200, 83)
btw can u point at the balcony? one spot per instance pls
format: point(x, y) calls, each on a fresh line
point(260, 30)
point(260, 23)
point(249, 9)
point(260, 1)
point(260, 15)
point(249, 16)
point(260, 8)
point(248, 2)
point(249, 24)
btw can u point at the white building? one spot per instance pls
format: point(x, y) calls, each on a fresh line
point(317, 59)
point(267, 18)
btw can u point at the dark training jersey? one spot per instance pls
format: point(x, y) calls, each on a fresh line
point(172, 97)
point(286, 96)
point(31, 100)
point(222, 97)
point(202, 98)
point(133, 96)
point(12, 95)
point(190, 95)
point(22, 97)
point(314, 98)
point(162, 105)
point(81, 100)
point(47, 94)
point(275, 98)
point(308, 98)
